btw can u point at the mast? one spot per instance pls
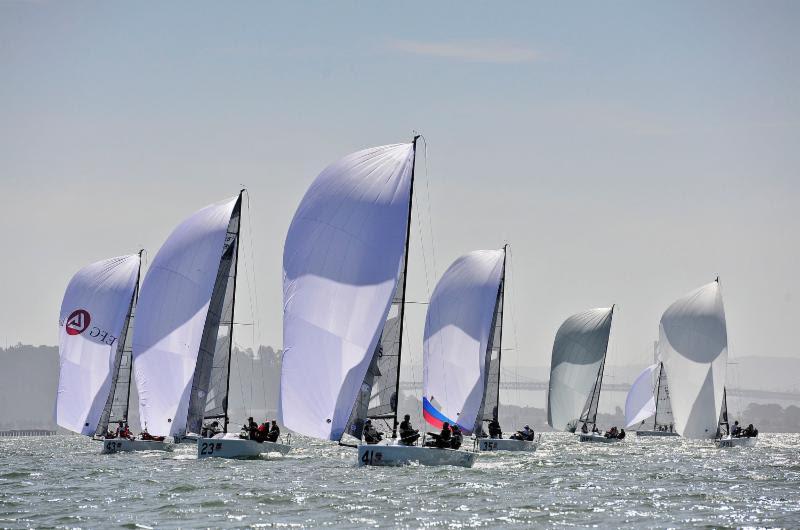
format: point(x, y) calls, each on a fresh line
point(658, 392)
point(502, 301)
point(233, 309)
point(130, 317)
point(405, 280)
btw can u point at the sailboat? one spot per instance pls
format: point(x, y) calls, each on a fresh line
point(94, 351)
point(462, 345)
point(344, 265)
point(724, 438)
point(576, 373)
point(647, 399)
point(693, 344)
point(183, 341)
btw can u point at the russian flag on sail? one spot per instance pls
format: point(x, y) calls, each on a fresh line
point(433, 416)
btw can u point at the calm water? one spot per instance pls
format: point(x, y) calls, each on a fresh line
point(63, 482)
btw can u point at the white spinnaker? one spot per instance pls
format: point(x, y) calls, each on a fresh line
point(578, 351)
point(693, 344)
point(171, 314)
point(641, 403)
point(93, 313)
point(457, 330)
point(341, 262)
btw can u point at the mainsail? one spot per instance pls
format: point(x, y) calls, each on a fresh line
point(186, 297)
point(344, 265)
point(723, 425)
point(119, 397)
point(640, 403)
point(576, 369)
point(93, 324)
point(663, 419)
point(457, 347)
point(693, 345)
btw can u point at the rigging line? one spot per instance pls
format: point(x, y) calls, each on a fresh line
point(514, 322)
point(255, 330)
point(430, 217)
point(418, 417)
point(422, 248)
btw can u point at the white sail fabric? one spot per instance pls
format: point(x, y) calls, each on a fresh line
point(693, 344)
point(457, 331)
point(578, 352)
point(341, 263)
point(93, 315)
point(641, 403)
point(171, 315)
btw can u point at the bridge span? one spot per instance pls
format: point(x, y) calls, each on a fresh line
point(540, 386)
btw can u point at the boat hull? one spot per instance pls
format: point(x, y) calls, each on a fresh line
point(125, 445)
point(656, 433)
point(401, 455)
point(597, 438)
point(729, 441)
point(237, 448)
point(489, 444)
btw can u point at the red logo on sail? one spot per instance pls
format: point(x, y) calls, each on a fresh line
point(78, 321)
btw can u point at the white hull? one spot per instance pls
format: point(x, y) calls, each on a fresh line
point(121, 445)
point(598, 438)
point(489, 444)
point(737, 442)
point(400, 455)
point(237, 448)
point(656, 433)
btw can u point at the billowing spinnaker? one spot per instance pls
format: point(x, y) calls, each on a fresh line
point(171, 315)
point(693, 344)
point(578, 351)
point(641, 403)
point(93, 314)
point(457, 330)
point(341, 263)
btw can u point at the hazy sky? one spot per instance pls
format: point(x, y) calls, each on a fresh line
point(629, 152)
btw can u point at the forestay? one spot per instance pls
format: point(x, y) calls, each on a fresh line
point(456, 348)
point(343, 257)
point(641, 403)
point(172, 316)
point(579, 352)
point(93, 317)
point(693, 345)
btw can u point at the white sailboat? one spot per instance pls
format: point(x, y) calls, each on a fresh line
point(693, 344)
point(647, 399)
point(94, 350)
point(463, 348)
point(345, 261)
point(184, 336)
point(724, 437)
point(576, 373)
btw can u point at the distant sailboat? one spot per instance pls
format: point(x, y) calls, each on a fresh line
point(94, 349)
point(693, 345)
point(724, 436)
point(184, 337)
point(576, 372)
point(646, 400)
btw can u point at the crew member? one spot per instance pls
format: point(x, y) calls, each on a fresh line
point(408, 434)
point(371, 435)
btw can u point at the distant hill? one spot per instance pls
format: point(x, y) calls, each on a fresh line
point(29, 381)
